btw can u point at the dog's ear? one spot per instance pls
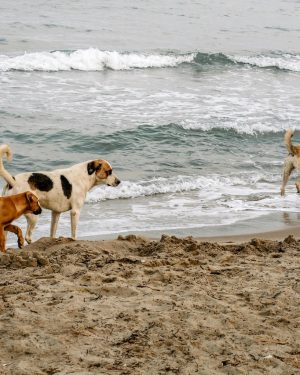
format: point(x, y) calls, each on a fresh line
point(29, 197)
point(93, 166)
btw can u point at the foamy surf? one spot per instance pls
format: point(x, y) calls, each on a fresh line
point(179, 184)
point(91, 59)
point(151, 187)
point(240, 127)
point(94, 59)
point(187, 202)
point(283, 62)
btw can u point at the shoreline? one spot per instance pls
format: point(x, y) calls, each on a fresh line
point(275, 226)
point(275, 235)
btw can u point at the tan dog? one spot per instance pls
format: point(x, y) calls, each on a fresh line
point(60, 190)
point(291, 162)
point(12, 208)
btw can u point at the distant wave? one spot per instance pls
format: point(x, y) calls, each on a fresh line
point(93, 59)
point(240, 127)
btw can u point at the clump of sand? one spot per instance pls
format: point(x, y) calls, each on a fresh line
point(136, 306)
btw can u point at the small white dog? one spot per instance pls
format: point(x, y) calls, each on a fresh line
point(59, 190)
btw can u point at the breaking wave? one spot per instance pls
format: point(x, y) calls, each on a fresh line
point(178, 184)
point(93, 59)
point(282, 62)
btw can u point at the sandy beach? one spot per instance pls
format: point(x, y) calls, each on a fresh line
point(190, 265)
point(134, 305)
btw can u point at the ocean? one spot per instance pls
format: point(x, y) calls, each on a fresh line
point(188, 100)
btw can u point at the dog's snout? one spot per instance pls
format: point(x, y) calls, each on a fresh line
point(38, 211)
point(114, 182)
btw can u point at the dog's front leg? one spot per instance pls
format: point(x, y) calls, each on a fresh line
point(54, 222)
point(74, 222)
point(15, 229)
point(31, 223)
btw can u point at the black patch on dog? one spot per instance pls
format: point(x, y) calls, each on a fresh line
point(66, 186)
point(9, 186)
point(40, 181)
point(91, 167)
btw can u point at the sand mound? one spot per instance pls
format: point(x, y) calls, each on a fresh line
point(135, 306)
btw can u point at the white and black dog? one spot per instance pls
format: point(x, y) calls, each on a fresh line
point(59, 190)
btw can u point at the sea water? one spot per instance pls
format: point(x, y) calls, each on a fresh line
point(188, 100)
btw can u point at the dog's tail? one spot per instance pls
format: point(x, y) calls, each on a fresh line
point(5, 150)
point(288, 141)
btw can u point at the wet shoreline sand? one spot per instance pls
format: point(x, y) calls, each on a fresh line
point(277, 234)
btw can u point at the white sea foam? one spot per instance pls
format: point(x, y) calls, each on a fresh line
point(144, 188)
point(189, 202)
point(177, 184)
point(91, 59)
point(284, 61)
point(240, 127)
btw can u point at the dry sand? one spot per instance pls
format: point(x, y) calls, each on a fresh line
point(140, 306)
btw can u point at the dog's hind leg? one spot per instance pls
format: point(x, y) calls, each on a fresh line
point(31, 223)
point(54, 222)
point(15, 229)
point(287, 170)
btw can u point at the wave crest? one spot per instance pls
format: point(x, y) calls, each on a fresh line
point(91, 59)
point(172, 185)
point(283, 62)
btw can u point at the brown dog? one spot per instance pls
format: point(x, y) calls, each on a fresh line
point(12, 208)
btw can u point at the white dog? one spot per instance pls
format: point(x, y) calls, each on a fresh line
point(59, 190)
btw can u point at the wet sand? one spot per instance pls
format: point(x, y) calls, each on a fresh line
point(134, 305)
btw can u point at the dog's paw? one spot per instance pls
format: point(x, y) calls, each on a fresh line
point(20, 242)
point(28, 240)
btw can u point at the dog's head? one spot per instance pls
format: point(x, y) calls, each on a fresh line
point(103, 172)
point(33, 203)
